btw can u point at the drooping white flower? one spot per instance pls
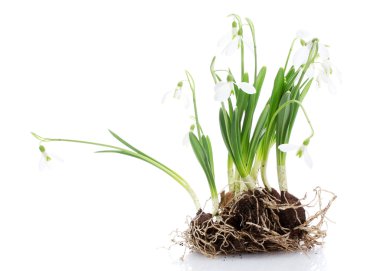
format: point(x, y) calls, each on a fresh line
point(177, 94)
point(301, 152)
point(232, 41)
point(47, 160)
point(320, 67)
point(329, 75)
point(224, 89)
point(301, 56)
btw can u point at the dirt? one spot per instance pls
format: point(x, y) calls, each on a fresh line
point(254, 221)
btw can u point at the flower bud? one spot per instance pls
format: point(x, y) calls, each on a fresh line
point(230, 78)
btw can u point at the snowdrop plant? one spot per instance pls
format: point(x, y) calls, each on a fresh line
point(248, 134)
point(248, 145)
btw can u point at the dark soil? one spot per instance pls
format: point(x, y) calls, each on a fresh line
point(254, 221)
point(291, 217)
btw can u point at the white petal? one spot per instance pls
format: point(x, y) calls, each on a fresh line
point(246, 87)
point(164, 98)
point(323, 52)
point(231, 47)
point(222, 91)
point(288, 147)
point(301, 56)
point(302, 34)
point(43, 164)
point(307, 158)
point(310, 73)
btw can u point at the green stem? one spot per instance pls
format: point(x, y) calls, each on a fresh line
point(282, 177)
point(242, 59)
point(251, 26)
point(255, 170)
point(192, 87)
point(153, 162)
point(290, 51)
point(263, 169)
point(230, 173)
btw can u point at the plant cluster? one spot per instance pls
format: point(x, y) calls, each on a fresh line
point(249, 133)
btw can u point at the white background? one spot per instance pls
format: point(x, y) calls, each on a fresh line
point(73, 69)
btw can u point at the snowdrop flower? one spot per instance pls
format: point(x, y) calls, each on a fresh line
point(329, 75)
point(46, 159)
point(301, 56)
point(233, 40)
point(224, 89)
point(301, 151)
point(319, 65)
point(324, 73)
point(177, 94)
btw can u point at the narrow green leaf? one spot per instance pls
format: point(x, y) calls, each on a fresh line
point(248, 118)
point(224, 124)
point(203, 161)
point(257, 134)
point(283, 118)
point(277, 91)
point(236, 143)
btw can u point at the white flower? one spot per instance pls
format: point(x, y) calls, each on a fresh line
point(177, 94)
point(301, 152)
point(324, 73)
point(47, 159)
point(328, 74)
point(302, 54)
point(233, 40)
point(321, 69)
point(224, 89)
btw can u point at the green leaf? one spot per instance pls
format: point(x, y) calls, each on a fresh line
point(168, 171)
point(283, 118)
point(201, 156)
point(135, 149)
point(274, 101)
point(198, 150)
point(277, 91)
point(203, 161)
point(236, 143)
point(258, 133)
point(206, 144)
point(305, 90)
point(294, 110)
point(225, 128)
point(248, 118)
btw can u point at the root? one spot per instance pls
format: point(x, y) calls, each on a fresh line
point(259, 221)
